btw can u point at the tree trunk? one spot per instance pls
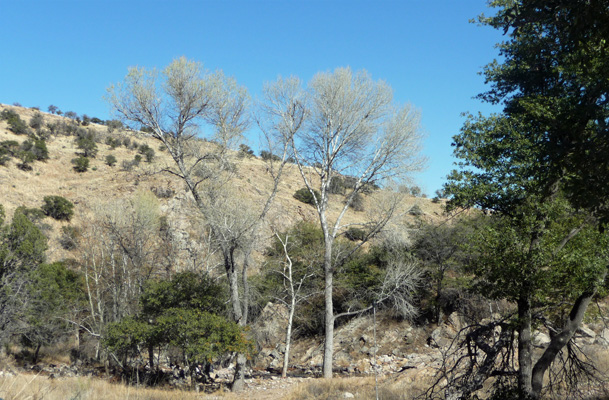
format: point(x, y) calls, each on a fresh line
point(560, 340)
point(329, 312)
point(239, 381)
point(151, 357)
point(288, 333)
point(525, 363)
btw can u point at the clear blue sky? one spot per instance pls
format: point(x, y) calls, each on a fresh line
point(67, 52)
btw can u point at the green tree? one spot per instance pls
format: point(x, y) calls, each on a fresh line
point(86, 143)
point(58, 207)
point(81, 164)
point(548, 145)
point(182, 313)
point(56, 294)
point(110, 160)
point(22, 248)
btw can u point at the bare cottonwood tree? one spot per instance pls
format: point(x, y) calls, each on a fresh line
point(174, 107)
point(353, 129)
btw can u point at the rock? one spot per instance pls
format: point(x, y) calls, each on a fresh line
point(585, 335)
point(540, 339)
point(586, 332)
point(602, 338)
point(270, 326)
point(348, 395)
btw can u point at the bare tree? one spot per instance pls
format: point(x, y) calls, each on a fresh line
point(351, 127)
point(173, 108)
point(294, 291)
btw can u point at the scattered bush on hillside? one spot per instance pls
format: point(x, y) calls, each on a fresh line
point(69, 237)
point(357, 203)
point(85, 141)
point(113, 142)
point(110, 160)
point(306, 197)
point(114, 125)
point(37, 122)
point(267, 155)
point(8, 149)
point(81, 164)
point(4, 157)
point(53, 109)
point(147, 152)
point(33, 214)
point(37, 148)
point(415, 210)
point(58, 207)
point(15, 123)
point(163, 192)
point(245, 151)
point(338, 185)
point(354, 234)
point(72, 115)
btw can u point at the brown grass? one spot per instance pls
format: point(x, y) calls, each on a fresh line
point(34, 387)
point(105, 183)
point(361, 388)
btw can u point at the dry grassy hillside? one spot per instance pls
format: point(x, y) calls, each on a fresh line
point(102, 183)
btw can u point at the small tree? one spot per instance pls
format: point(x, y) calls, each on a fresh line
point(147, 152)
point(86, 143)
point(307, 196)
point(81, 164)
point(110, 160)
point(58, 207)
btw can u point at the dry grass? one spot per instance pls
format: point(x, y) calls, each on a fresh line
point(34, 387)
point(102, 182)
point(360, 388)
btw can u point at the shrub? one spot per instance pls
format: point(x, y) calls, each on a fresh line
point(58, 207)
point(113, 142)
point(110, 160)
point(53, 109)
point(33, 214)
point(37, 150)
point(81, 164)
point(245, 151)
point(354, 233)
point(357, 203)
point(306, 197)
point(162, 193)
point(337, 185)
point(37, 121)
point(114, 125)
point(86, 143)
point(267, 155)
point(15, 123)
point(69, 237)
point(4, 157)
point(415, 210)
point(147, 152)
point(72, 115)
point(8, 149)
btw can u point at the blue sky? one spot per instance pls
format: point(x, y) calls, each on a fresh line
point(67, 52)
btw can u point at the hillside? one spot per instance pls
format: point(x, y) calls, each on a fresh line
point(106, 184)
